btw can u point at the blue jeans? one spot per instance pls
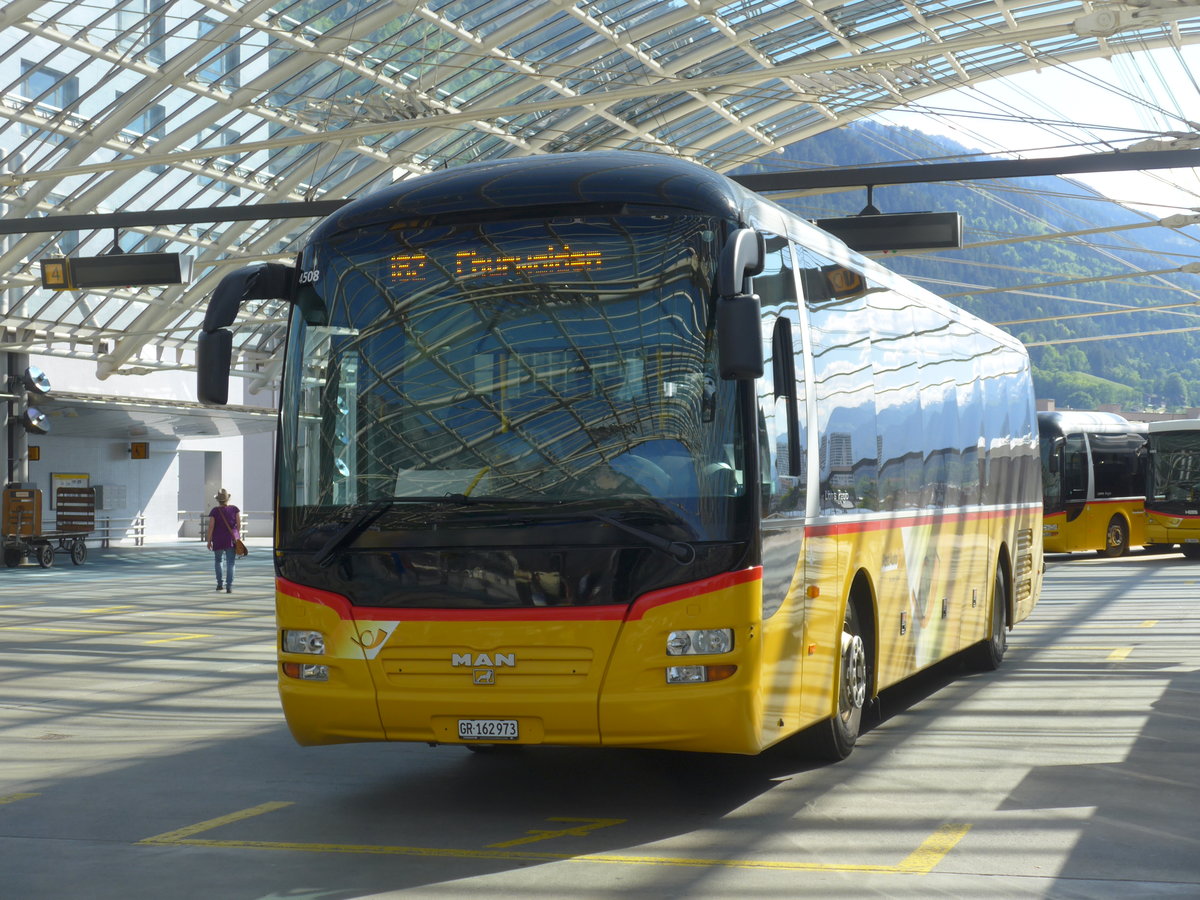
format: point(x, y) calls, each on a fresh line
point(229, 557)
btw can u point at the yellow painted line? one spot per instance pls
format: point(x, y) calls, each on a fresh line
point(13, 798)
point(1120, 653)
point(534, 835)
point(920, 862)
point(1150, 623)
point(180, 835)
point(933, 849)
point(104, 609)
point(175, 635)
point(178, 636)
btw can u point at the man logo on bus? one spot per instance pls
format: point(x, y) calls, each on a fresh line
point(496, 660)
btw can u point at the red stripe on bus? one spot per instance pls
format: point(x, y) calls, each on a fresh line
point(345, 610)
point(1172, 515)
point(647, 602)
point(611, 612)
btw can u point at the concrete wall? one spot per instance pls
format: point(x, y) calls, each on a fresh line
point(173, 489)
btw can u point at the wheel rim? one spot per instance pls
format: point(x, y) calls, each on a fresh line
point(854, 673)
point(1116, 536)
point(999, 635)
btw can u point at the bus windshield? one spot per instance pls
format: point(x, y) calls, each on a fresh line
point(527, 366)
point(1176, 467)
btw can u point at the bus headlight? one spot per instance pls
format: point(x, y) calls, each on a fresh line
point(707, 640)
point(303, 642)
point(698, 674)
point(305, 672)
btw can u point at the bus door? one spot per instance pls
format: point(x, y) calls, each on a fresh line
point(1076, 489)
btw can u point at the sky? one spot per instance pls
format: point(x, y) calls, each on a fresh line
point(1093, 106)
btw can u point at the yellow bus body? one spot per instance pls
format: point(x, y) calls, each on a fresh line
point(1089, 529)
point(1164, 528)
point(596, 676)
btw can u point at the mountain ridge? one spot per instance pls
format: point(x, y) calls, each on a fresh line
point(1073, 328)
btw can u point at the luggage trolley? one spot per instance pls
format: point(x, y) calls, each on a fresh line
point(23, 536)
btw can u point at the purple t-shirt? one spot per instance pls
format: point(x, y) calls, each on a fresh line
point(225, 526)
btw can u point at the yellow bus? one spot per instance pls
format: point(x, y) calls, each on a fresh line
point(1173, 495)
point(603, 450)
point(1094, 482)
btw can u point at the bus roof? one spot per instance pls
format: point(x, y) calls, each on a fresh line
point(556, 180)
point(1175, 425)
point(1067, 421)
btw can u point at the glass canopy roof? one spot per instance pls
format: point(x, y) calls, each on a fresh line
point(144, 105)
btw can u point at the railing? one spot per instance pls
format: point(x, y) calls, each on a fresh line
point(201, 518)
point(109, 529)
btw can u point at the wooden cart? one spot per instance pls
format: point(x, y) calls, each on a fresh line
point(75, 519)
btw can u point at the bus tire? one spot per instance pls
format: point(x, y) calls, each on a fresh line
point(834, 738)
point(1116, 538)
point(1191, 551)
point(988, 654)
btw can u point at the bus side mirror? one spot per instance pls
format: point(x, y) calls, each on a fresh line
point(214, 355)
point(739, 337)
point(214, 346)
point(739, 329)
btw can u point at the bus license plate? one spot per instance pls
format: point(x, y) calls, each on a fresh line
point(487, 729)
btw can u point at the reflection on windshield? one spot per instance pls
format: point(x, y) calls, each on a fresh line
point(1176, 464)
point(562, 361)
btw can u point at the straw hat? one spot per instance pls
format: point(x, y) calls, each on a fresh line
point(222, 495)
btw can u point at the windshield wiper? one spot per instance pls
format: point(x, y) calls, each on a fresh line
point(350, 532)
point(683, 553)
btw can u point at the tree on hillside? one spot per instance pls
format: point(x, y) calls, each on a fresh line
point(1175, 390)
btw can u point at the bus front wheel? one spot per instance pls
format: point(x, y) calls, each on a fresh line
point(1116, 538)
point(834, 738)
point(988, 654)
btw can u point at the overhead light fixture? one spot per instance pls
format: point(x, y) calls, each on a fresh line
point(35, 421)
point(36, 381)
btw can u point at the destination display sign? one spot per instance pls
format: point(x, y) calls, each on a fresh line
point(473, 264)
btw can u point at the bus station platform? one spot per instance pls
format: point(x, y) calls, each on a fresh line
point(143, 755)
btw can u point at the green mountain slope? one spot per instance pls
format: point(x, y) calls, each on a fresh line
point(1013, 284)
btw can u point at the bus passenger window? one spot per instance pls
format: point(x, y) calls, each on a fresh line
point(1075, 468)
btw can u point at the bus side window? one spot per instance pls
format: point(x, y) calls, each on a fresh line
point(1075, 468)
point(780, 391)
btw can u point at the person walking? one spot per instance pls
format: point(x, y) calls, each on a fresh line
point(223, 534)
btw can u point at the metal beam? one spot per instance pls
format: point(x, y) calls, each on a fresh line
point(923, 173)
point(252, 212)
point(811, 179)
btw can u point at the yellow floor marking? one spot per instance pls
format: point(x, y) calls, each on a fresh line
point(104, 609)
point(13, 798)
point(181, 835)
point(179, 636)
point(920, 862)
point(1120, 653)
point(534, 834)
point(1150, 623)
point(933, 849)
point(175, 635)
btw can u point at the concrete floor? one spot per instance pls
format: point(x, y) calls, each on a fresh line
point(143, 755)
